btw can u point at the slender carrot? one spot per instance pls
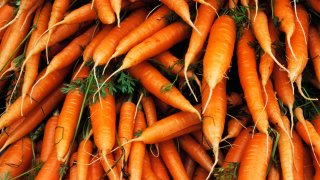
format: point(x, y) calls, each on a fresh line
point(250, 82)
point(158, 20)
point(308, 168)
point(48, 138)
point(106, 164)
point(171, 158)
point(6, 133)
point(147, 171)
point(235, 153)
point(235, 126)
point(51, 167)
point(145, 73)
point(35, 117)
point(190, 166)
point(138, 149)
point(219, 53)
point(256, 157)
point(159, 168)
point(314, 49)
point(105, 11)
point(84, 153)
point(17, 158)
point(298, 156)
point(149, 109)
point(95, 171)
point(6, 14)
point(190, 146)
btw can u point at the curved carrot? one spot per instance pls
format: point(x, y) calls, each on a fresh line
point(84, 153)
point(48, 138)
point(105, 11)
point(51, 167)
point(159, 168)
point(256, 158)
point(217, 58)
point(250, 81)
point(314, 49)
point(73, 172)
point(149, 109)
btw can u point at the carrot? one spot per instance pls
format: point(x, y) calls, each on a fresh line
point(116, 6)
point(16, 159)
point(203, 22)
point(256, 157)
point(68, 118)
point(198, 135)
point(297, 65)
point(84, 153)
point(314, 49)
point(95, 171)
point(104, 11)
point(274, 173)
point(158, 42)
point(182, 132)
point(147, 172)
point(316, 123)
point(73, 173)
point(250, 82)
point(195, 151)
point(284, 11)
point(107, 46)
point(235, 126)
point(266, 62)
point(235, 153)
point(190, 166)
point(200, 174)
point(261, 32)
point(106, 164)
point(285, 150)
point(35, 117)
point(6, 14)
point(308, 169)
point(181, 8)
point(145, 72)
point(125, 129)
point(138, 149)
point(149, 109)
point(298, 156)
point(172, 160)
point(158, 20)
point(51, 167)
point(159, 168)
point(41, 20)
point(6, 133)
point(219, 52)
point(315, 5)
point(48, 138)
point(88, 51)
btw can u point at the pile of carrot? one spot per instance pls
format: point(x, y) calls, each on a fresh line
point(146, 89)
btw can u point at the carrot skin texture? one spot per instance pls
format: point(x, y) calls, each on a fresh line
point(200, 174)
point(314, 49)
point(298, 154)
point(147, 172)
point(159, 168)
point(6, 14)
point(105, 11)
point(95, 171)
point(84, 152)
point(112, 176)
point(48, 138)
point(190, 165)
point(172, 160)
point(50, 169)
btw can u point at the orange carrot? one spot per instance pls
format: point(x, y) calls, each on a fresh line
point(35, 117)
point(235, 153)
point(308, 169)
point(198, 135)
point(16, 159)
point(316, 123)
point(219, 52)
point(158, 20)
point(48, 138)
point(250, 82)
point(105, 11)
point(6, 133)
point(68, 118)
point(149, 109)
point(315, 5)
point(95, 171)
point(147, 172)
point(138, 149)
point(314, 49)
point(193, 149)
point(274, 173)
point(51, 167)
point(200, 174)
point(6, 14)
point(145, 73)
point(159, 168)
point(171, 158)
point(256, 157)
point(84, 153)
point(190, 165)
point(298, 156)
point(116, 6)
point(73, 173)
point(235, 126)
point(182, 132)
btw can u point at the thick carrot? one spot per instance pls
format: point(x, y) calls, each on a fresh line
point(235, 153)
point(154, 82)
point(16, 159)
point(314, 49)
point(195, 151)
point(35, 117)
point(250, 82)
point(235, 126)
point(95, 171)
point(68, 118)
point(159, 168)
point(6, 14)
point(200, 174)
point(299, 46)
point(84, 153)
point(171, 158)
point(190, 165)
point(107, 46)
point(284, 11)
point(217, 58)
point(138, 149)
point(266, 62)
point(158, 20)
point(181, 8)
point(214, 115)
point(31, 66)
point(147, 171)
point(51, 167)
point(105, 11)
point(149, 109)
point(256, 157)
point(298, 156)
point(48, 138)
